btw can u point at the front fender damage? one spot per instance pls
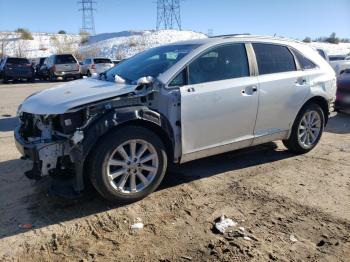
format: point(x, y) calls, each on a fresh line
point(71, 139)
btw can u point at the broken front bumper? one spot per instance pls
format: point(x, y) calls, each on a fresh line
point(45, 155)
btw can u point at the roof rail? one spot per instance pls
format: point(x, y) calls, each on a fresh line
point(258, 36)
point(229, 35)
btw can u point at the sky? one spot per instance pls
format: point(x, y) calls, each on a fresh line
point(293, 18)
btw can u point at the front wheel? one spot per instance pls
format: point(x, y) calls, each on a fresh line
point(307, 130)
point(128, 164)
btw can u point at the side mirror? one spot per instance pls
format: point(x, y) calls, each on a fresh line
point(119, 80)
point(146, 80)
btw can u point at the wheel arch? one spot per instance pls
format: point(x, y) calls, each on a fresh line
point(118, 118)
point(322, 102)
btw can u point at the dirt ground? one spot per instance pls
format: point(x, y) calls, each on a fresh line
point(294, 208)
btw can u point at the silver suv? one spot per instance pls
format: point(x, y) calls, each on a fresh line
point(95, 65)
point(173, 104)
point(62, 66)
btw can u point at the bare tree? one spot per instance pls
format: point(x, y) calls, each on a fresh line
point(5, 40)
point(20, 48)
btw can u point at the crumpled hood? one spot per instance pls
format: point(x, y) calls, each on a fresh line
point(60, 99)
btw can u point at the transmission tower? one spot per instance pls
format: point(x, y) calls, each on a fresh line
point(168, 14)
point(88, 23)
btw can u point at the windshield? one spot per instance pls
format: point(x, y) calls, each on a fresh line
point(152, 62)
point(18, 61)
point(65, 59)
point(102, 61)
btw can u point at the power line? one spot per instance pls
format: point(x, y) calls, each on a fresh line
point(168, 14)
point(88, 23)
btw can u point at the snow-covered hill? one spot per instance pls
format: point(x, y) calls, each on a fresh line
point(117, 45)
point(333, 49)
point(125, 46)
point(43, 44)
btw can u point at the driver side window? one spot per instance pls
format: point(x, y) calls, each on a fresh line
point(224, 62)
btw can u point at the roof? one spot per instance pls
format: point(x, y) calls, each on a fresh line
point(238, 38)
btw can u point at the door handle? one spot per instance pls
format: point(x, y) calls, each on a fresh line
point(190, 90)
point(300, 81)
point(249, 90)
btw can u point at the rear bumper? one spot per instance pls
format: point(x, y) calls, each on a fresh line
point(67, 74)
point(16, 74)
point(341, 105)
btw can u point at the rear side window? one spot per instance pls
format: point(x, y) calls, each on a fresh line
point(17, 61)
point(225, 62)
point(65, 59)
point(102, 61)
point(273, 58)
point(304, 63)
point(322, 53)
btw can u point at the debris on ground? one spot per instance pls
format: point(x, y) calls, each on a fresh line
point(293, 238)
point(224, 224)
point(138, 224)
point(230, 229)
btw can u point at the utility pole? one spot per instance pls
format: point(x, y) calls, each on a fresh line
point(168, 14)
point(88, 23)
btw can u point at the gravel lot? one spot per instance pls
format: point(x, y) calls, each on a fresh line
point(295, 208)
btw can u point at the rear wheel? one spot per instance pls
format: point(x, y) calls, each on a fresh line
point(31, 80)
point(88, 73)
point(5, 79)
point(52, 78)
point(307, 130)
point(129, 164)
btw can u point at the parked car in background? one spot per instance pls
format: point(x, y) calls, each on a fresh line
point(338, 62)
point(115, 62)
point(323, 53)
point(38, 72)
point(96, 65)
point(342, 102)
point(173, 104)
point(12, 68)
point(63, 67)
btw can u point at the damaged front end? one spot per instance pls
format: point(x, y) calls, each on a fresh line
point(48, 141)
point(60, 143)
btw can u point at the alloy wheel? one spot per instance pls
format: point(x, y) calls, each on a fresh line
point(309, 129)
point(132, 166)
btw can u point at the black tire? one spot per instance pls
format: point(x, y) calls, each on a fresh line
point(31, 80)
point(5, 79)
point(52, 78)
point(88, 73)
point(100, 156)
point(293, 143)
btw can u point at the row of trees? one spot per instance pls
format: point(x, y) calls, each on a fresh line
point(333, 39)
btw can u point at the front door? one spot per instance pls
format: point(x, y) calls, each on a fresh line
point(219, 104)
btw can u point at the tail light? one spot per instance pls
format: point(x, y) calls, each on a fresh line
point(93, 67)
point(54, 68)
point(28, 65)
point(77, 67)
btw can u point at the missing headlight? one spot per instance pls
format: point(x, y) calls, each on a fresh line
point(69, 122)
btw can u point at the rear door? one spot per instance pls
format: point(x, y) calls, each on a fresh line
point(282, 90)
point(219, 104)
